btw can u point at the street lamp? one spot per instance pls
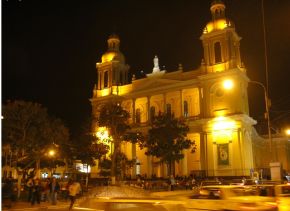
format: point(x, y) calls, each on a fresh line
point(51, 153)
point(267, 113)
point(228, 84)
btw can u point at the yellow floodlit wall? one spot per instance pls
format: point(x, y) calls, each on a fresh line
point(223, 129)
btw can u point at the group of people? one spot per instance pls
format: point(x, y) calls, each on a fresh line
point(49, 190)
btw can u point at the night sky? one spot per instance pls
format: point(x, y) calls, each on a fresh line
point(49, 48)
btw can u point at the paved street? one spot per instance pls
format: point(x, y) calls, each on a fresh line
point(108, 198)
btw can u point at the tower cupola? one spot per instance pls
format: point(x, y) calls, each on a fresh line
point(217, 10)
point(113, 42)
point(221, 43)
point(112, 71)
point(113, 52)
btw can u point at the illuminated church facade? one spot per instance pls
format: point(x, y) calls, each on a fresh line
point(217, 116)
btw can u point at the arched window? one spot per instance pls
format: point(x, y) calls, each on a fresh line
point(216, 13)
point(106, 79)
point(152, 113)
point(138, 116)
point(218, 52)
point(168, 108)
point(185, 108)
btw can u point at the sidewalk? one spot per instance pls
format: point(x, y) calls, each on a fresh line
point(22, 205)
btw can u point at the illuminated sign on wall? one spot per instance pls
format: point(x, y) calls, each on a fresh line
point(83, 167)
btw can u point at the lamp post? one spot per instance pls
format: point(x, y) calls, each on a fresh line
point(267, 113)
point(287, 131)
point(51, 154)
point(228, 84)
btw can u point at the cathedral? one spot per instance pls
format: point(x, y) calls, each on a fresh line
point(213, 100)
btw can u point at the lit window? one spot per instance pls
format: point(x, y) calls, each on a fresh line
point(217, 52)
point(138, 116)
point(152, 113)
point(185, 108)
point(106, 79)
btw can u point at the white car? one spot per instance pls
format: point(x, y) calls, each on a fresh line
point(227, 197)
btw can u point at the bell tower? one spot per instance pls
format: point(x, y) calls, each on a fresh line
point(220, 41)
point(224, 82)
point(112, 71)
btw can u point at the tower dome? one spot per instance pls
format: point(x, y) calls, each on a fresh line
point(219, 20)
point(113, 52)
point(221, 43)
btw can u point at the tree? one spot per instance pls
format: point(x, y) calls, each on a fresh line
point(29, 131)
point(87, 148)
point(115, 119)
point(58, 137)
point(122, 164)
point(167, 138)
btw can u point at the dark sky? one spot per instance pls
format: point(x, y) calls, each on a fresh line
point(50, 47)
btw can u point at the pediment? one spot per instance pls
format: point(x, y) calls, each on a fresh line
point(152, 83)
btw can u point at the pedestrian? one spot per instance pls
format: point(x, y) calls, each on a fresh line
point(187, 184)
point(74, 189)
point(172, 183)
point(194, 183)
point(46, 190)
point(70, 181)
point(29, 185)
point(8, 193)
point(54, 188)
point(36, 190)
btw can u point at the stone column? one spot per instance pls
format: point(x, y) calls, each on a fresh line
point(181, 104)
point(204, 154)
point(133, 113)
point(184, 163)
point(201, 102)
point(149, 164)
point(134, 157)
point(99, 80)
point(148, 109)
point(241, 151)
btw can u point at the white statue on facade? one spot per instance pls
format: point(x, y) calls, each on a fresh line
point(156, 65)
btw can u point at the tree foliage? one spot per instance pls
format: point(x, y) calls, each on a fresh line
point(87, 149)
point(122, 164)
point(29, 131)
point(167, 138)
point(115, 118)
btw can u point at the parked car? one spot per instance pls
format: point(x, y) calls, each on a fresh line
point(282, 193)
point(227, 197)
point(209, 183)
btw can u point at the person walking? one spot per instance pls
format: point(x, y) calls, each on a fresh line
point(29, 185)
point(73, 189)
point(7, 193)
point(46, 190)
point(36, 189)
point(172, 183)
point(54, 188)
